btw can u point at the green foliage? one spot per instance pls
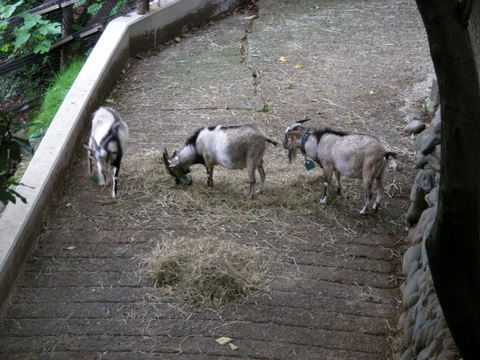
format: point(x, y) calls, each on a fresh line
point(119, 7)
point(53, 99)
point(23, 83)
point(11, 147)
point(93, 9)
point(35, 35)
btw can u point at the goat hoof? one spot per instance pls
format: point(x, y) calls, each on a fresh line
point(363, 212)
point(323, 201)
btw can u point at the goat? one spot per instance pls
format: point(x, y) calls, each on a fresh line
point(233, 147)
point(341, 153)
point(106, 146)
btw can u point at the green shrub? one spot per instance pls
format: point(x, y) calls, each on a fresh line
point(53, 99)
point(33, 35)
point(11, 147)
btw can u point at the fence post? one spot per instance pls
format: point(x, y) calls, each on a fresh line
point(67, 22)
point(143, 6)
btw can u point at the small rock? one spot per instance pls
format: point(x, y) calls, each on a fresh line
point(420, 160)
point(424, 180)
point(411, 300)
point(428, 352)
point(417, 205)
point(434, 162)
point(430, 105)
point(414, 127)
point(412, 254)
point(408, 355)
point(437, 119)
point(410, 289)
point(432, 197)
point(429, 141)
point(415, 234)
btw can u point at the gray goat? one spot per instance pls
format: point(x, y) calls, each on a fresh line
point(106, 146)
point(233, 147)
point(341, 153)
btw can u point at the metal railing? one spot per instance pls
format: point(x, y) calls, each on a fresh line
point(24, 78)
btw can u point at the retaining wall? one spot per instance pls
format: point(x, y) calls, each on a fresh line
point(425, 334)
point(122, 38)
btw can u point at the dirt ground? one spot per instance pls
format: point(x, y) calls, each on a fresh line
point(333, 289)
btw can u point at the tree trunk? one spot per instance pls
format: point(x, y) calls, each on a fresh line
point(453, 246)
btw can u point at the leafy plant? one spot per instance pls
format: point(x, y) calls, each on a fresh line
point(53, 99)
point(11, 147)
point(25, 82)
point(34, 35)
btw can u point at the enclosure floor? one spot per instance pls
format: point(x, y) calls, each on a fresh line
point(334, 276)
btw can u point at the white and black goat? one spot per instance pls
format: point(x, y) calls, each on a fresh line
point(106, 145)
point(233, 147)
point(341, 153)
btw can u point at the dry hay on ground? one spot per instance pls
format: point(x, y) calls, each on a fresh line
point(149, 194)
point(207, 272)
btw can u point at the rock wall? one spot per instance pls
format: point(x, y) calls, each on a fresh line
point(423, 327)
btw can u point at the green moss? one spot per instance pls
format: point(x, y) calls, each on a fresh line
point(53, 99)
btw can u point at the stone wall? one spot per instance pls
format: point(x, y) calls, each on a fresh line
point(423, 327)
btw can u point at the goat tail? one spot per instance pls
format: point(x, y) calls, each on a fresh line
point(390, 155)
point(393, 164)
point(273, 142)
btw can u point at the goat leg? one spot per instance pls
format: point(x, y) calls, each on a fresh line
point(328, 178)
point(261, 171)
point(210, 176)
point(251, 174)
point(114, 182)
point(379, 188)
point(339, 185)
point(116, 170)
point(367, 187)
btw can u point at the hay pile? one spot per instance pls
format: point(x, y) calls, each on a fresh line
point(207, 272)
point(289, 192)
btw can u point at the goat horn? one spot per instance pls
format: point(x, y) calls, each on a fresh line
point(304, 120)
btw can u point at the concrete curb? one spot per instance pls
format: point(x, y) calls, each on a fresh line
point(123, 38)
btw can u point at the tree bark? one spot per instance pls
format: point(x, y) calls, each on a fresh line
point(453, 246)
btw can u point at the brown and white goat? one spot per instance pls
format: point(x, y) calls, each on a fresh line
point(106, 146)
point(341, 153)
point(233, 147)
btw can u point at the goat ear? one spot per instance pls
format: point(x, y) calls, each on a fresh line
point(96, 147)
point(115, 126)
point(166, 161)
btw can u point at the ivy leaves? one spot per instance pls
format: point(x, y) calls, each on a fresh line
point(35, 35)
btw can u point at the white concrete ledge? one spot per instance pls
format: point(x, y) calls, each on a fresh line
point(123, 38)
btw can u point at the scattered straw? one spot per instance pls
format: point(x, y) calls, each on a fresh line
point(149, 197)
point(207, 271)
